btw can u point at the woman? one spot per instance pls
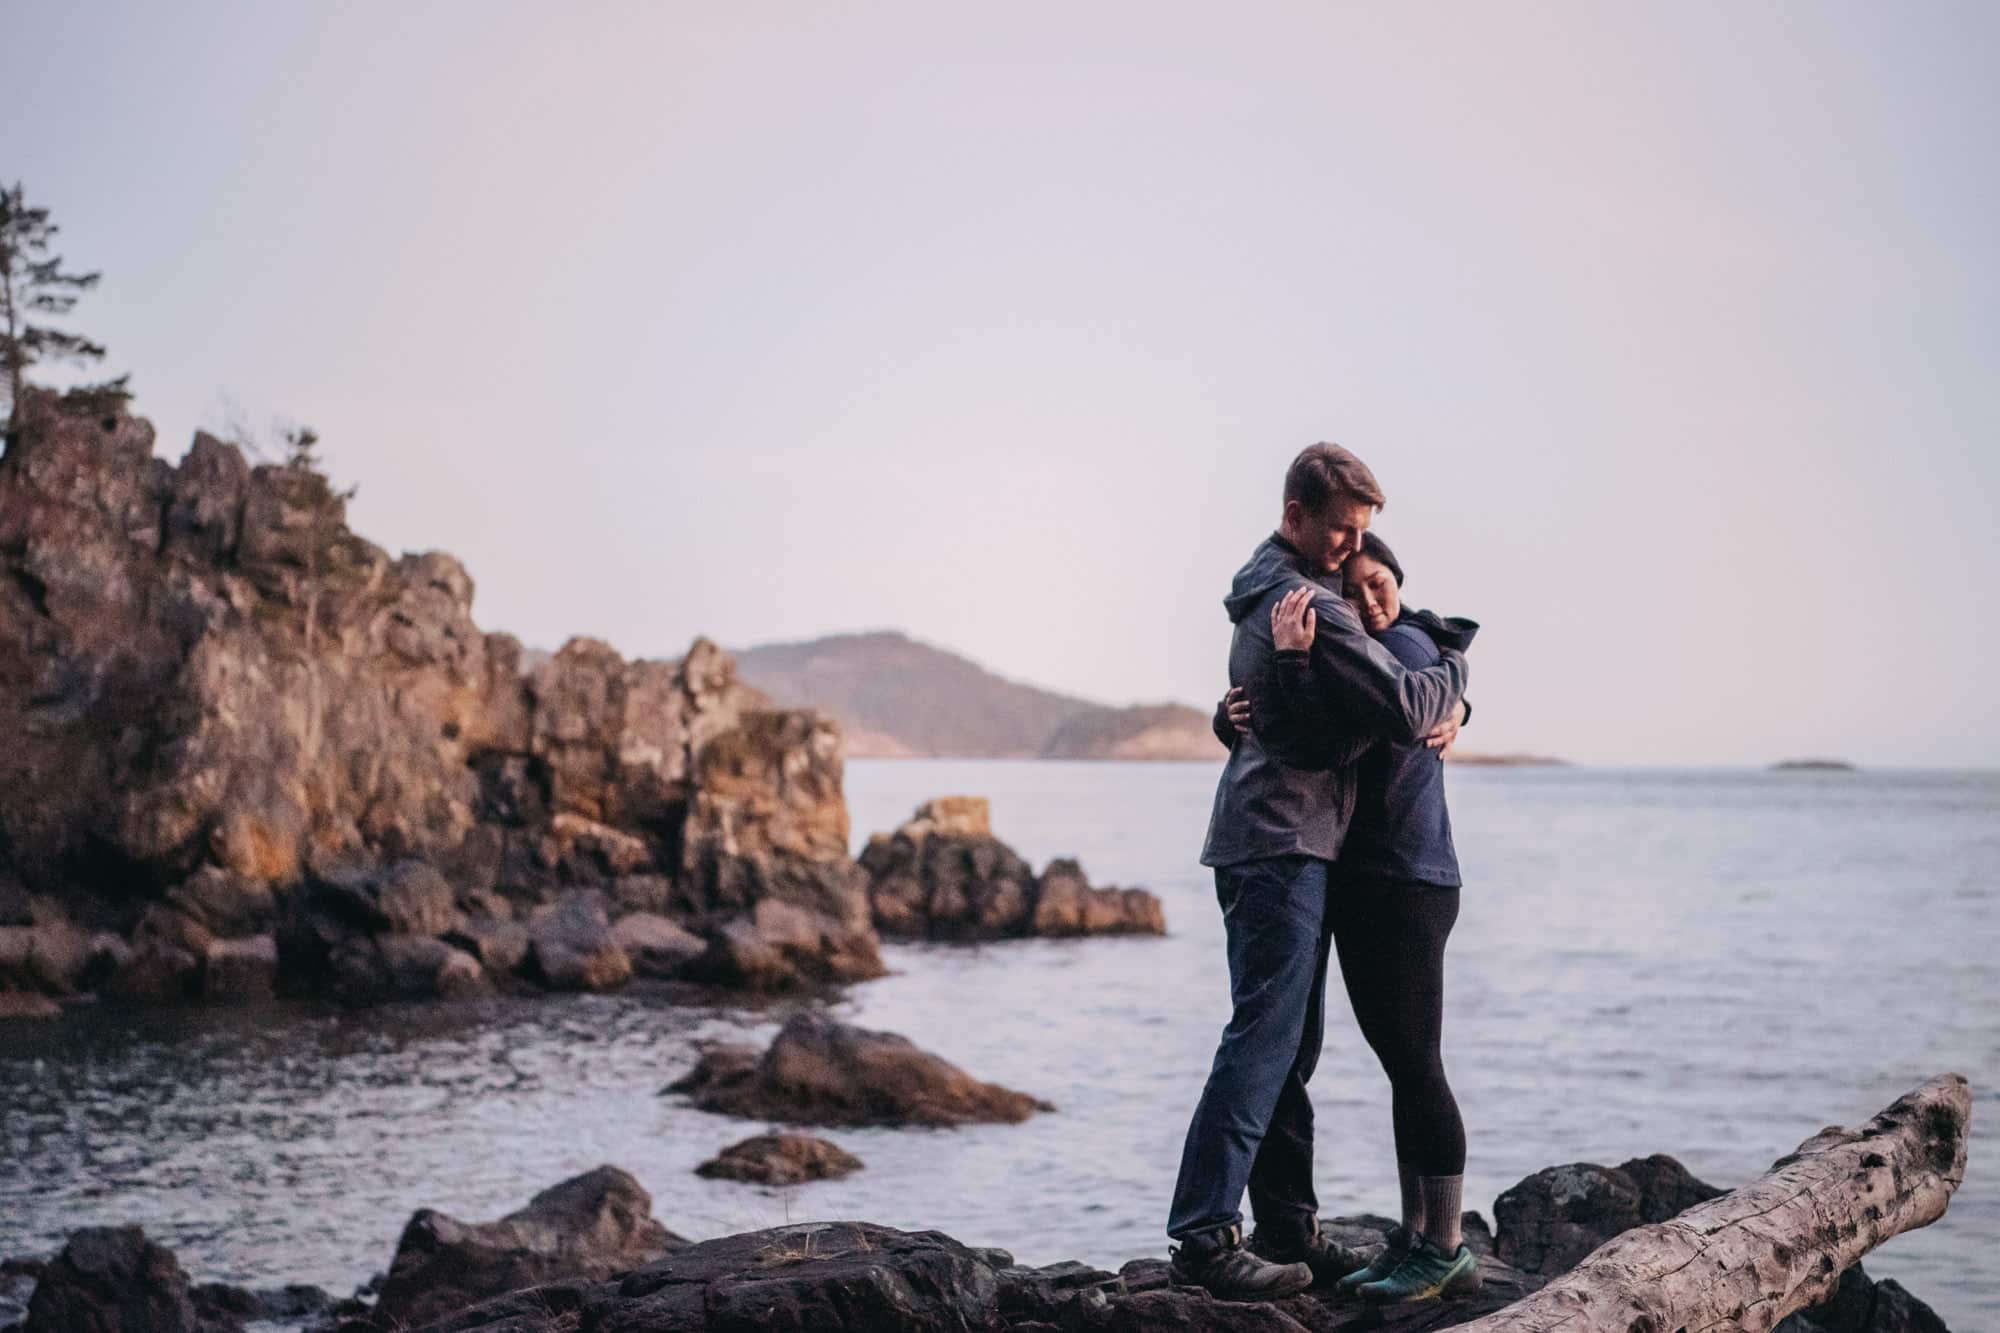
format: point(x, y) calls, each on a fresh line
point(1396, 901)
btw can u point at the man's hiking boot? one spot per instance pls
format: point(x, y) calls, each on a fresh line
point(1306, 1244)
point(1219, 1262)
point(1424, 1273)
point(1382, 1264)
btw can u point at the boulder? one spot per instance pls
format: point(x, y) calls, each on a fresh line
point(1552, 1219)
point(779, 945)
point(406, 897)
point(1066, 904)
point(817, 1071)
point(500, 946)
point(245, 969)
point(780, 1159)
point(819, 1275)
point(114, 1280)
point(27, 1004)
point(1860, 1304)
point(225, 902)
point(591, 1226)
point(937, 885)
point(154, 972)
point(956, 816)
point(365, 970)
point(570, 946)
point(220, 1302)
point(49, 956)
point(657, 946)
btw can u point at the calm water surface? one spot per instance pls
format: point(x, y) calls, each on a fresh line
point(1707, 964)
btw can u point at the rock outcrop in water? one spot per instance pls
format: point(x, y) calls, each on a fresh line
point(250, 751)
point(819, 1072)
point(943, 875)
point(780, 1159)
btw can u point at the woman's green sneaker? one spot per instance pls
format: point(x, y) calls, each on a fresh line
point(1382, 1264)
point(1424, 1273)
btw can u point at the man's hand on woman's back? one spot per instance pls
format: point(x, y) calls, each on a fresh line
point(1293, 620)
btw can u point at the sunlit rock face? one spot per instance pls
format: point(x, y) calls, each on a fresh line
point(224, 711)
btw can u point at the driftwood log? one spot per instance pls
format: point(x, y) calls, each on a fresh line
point(1779, 1244)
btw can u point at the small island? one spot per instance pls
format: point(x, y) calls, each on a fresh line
point(1812, 766)
point(1476, 759)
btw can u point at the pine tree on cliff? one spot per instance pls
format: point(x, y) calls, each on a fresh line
point(32, 284)
point(326, 507)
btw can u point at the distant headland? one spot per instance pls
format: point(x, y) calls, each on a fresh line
point(1812, 766)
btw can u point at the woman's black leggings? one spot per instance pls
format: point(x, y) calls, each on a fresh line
point(1390, 935)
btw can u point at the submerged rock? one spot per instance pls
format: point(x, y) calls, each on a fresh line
point(592, 1226)
point(943, 875)
point(817, 1071)
point(780, 1159)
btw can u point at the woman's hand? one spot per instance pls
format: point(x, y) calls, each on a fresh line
point(1447, 731)
point(1293, 620)
point(1237, 704)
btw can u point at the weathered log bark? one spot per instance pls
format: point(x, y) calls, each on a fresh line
point(1751, 1257)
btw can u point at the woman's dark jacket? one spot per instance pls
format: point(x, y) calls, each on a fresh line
point(1401, 828)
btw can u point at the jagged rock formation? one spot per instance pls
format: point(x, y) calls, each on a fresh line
point(780, 1159)
point(943, 875)
point(248, 750)
point(819, 1072)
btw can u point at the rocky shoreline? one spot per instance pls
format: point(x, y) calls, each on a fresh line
point(254, 754)
point(587, 1256)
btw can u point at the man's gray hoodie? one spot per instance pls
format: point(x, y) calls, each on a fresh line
point(1265, 807)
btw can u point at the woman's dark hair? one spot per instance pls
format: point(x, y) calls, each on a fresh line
point(1378, 550)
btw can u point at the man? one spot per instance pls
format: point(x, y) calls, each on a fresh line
point(1272, 836)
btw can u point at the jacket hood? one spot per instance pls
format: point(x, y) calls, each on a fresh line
point(1445, 631)
point(1274, 564)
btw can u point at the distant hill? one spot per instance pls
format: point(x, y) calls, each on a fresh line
point(897, 698)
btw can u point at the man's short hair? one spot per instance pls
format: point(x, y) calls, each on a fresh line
point(1324, 472)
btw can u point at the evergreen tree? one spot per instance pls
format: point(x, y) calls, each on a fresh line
point(33, 284)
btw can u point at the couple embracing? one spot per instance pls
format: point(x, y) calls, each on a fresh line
point(1329, 838)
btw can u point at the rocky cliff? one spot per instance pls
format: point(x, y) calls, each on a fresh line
point(245, 747)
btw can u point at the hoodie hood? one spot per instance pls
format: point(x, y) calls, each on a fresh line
point(1274, 564)
point(1445, 631)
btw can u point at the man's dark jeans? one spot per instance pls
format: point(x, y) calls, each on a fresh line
point(1254, 1125)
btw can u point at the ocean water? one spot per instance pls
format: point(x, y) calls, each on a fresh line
point(1709, 964)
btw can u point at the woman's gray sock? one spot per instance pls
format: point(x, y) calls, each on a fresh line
point(1443, 1197)
point(1413, 1197)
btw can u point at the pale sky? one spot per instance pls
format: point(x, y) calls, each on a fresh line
point(1670, 330)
